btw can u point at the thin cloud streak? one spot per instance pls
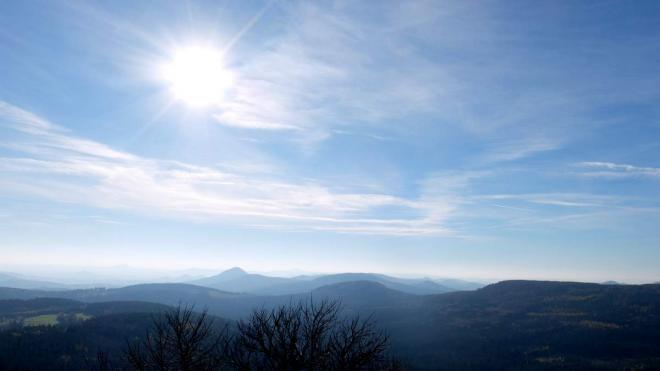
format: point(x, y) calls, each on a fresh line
point(52, 163)
point(558, 199)
point(613, 170)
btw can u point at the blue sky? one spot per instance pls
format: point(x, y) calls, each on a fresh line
point(467, 139)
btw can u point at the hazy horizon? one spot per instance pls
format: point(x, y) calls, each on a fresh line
point(473, 140)
point(129, 274)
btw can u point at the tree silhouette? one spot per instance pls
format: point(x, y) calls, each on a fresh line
point(303, 336)
point(178, 340)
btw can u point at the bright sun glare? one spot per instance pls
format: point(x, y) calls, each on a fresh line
point(196, 76)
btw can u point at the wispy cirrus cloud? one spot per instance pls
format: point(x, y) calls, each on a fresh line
point(332, 68)
point(559, 199)
point(612, 170)
point(317, 75)
point(50, 162)
point(559, 210)
point(515, 149)
point(416, 66)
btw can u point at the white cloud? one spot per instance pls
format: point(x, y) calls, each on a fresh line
point(613, 170)
point(558, 199)
point(47, 161)
point(559, 210)
point(396, 69)
point(330, 68)
point(516, 149)
point(333, 67)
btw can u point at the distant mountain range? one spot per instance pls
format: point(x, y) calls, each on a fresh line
point(238, 280)
point(16, 281)
point(612, 283)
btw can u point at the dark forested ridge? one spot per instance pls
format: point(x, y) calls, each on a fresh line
point(535, 325)
point(508, 325)
point(63, 334)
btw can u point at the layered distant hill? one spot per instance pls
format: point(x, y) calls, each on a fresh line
point(17, 281)
point(508, 325)
point(238, 280)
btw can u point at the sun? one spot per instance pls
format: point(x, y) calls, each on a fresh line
point(197, 76)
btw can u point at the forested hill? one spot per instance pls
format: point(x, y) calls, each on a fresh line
point(534, 325)
point(508, 325)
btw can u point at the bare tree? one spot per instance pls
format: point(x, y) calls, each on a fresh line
point(357, 345)
point(304, 336)
point(178, 340)
point(101, 363)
